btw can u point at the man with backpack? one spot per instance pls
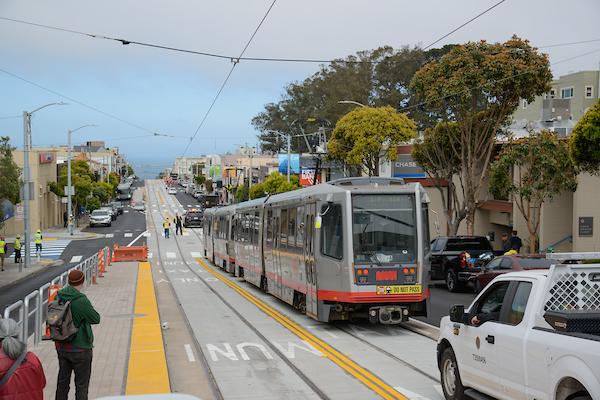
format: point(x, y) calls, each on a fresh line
point(75, 352)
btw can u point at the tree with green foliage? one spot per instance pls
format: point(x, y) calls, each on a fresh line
point(274, 183)
point(114, 179)
point(479, 85)
point(242, 193)
point(199, 179)
point(82, 179)
point(584, 143)
point(92, 203)
point(130, 170)
point(379, 77)
point(9, 175)
point(435, 155)
point(533, 170)
point(103, 191)
point(368, 135)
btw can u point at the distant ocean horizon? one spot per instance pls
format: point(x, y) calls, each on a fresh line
point(149, 167)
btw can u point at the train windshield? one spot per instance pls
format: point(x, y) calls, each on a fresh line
point(384, 229)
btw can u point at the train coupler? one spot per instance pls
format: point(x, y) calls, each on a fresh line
point(388, 315)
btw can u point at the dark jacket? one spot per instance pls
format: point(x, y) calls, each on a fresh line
point(178, 220)
point(516, 243)
point(28, 381)
point(84, 316)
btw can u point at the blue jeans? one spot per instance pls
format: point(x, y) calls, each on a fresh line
point(166, 232)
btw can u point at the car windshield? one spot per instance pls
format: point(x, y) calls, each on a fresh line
point(99, 213)
point(536, 263)
point(383, 228)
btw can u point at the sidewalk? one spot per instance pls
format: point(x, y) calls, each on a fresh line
point(11, 275)
point(113, 298)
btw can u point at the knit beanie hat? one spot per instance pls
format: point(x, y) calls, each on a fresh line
point(76, 277)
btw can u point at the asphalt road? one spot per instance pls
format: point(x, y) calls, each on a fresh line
point(441, 300)
point(127, 227)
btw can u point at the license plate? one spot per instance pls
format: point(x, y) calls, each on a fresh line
point(401, 289)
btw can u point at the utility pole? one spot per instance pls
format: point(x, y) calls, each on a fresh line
point(27, 178)
point(70, 190)
point(289, 151)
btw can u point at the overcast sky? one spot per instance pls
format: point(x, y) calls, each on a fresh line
point(169, 92)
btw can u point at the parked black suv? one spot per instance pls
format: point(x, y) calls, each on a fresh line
point(454, 259)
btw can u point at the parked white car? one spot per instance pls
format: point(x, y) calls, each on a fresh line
point(172, 190)
point(528, 335)
point(101, 217)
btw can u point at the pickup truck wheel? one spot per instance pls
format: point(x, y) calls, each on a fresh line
point(451, 281)
point(451, 383)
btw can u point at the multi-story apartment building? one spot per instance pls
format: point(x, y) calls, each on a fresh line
point(187, 167)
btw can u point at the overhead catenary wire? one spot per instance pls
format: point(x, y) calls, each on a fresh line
point(464, 24)
point(235, 63)
point(263, 59)
point(73, 100)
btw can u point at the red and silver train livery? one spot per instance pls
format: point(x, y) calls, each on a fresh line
point(345, 249)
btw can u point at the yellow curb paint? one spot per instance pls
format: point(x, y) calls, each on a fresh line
point(147, 372)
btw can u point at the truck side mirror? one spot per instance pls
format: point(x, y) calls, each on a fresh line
point(457, 313)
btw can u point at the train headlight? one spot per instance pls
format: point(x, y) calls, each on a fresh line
point(373, 313)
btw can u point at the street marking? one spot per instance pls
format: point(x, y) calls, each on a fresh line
point(190, 353)
point(128, 234)
point(147, 234)
point(76, 259)
point(186, 234)
point(410, 395)
point(170, 254)
point(125, 211)
point(370, 380)
point(109, 235)
point(196, 254)
point(134, 240)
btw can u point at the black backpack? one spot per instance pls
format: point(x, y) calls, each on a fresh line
point(60, 321)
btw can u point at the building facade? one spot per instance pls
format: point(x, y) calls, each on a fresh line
point(46, 209)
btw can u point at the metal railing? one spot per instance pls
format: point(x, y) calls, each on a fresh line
point(30, 312)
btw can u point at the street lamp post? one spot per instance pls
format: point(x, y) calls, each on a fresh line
point(289, 148)
point(356, 103)
point(27, 178)
point(69, 185)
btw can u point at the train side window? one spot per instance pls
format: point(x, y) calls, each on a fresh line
point(256, 227)
point(331, 231)
point(292, 227)
point(284, 228)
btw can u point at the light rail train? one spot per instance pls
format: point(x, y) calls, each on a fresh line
point(346, 249)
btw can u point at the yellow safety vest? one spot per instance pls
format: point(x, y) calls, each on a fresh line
point(17, 244)
point(2, 243)
point(166, 224)
point(38, 238)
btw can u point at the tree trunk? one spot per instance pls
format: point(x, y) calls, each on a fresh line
point(471, 221)
point(533, 239)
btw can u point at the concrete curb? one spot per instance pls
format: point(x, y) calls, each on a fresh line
point(422, 328)
point(56, 263)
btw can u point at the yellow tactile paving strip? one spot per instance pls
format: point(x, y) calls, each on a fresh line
point(147, 372)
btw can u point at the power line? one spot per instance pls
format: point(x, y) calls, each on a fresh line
point(492, 82)
point(235, 63)
point(464, 24)
point(73, 100)
point(259, 59)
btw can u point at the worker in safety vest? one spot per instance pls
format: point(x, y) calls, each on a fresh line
point(38, 243)
point(2, 252)
point(18, 249)
point(166, 226)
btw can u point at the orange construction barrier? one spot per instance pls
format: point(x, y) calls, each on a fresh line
point(131, 253)
point(113, 254)
point(52, 293)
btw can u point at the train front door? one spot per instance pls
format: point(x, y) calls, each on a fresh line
point(309, 260)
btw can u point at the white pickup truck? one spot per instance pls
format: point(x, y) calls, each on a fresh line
point(528, 335)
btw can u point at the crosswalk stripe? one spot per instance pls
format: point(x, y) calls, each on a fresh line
point(147, 234)
point(196, 254)
point(76, 259)
point(109, 235)
point(170, 254)
point(128, 234)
